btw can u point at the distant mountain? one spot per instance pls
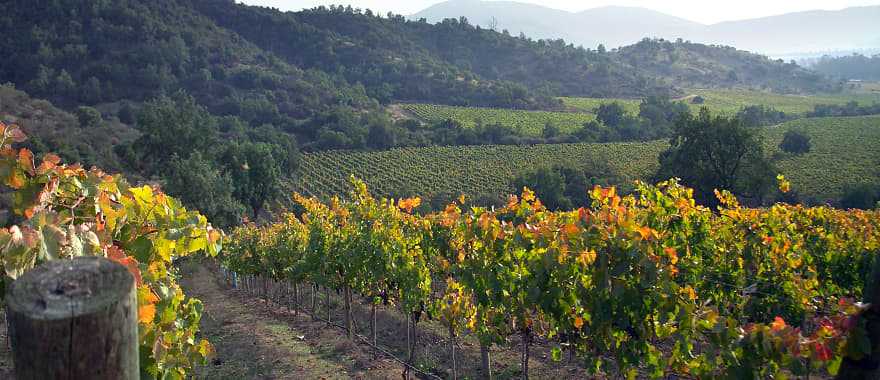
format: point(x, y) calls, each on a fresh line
point(851, 28)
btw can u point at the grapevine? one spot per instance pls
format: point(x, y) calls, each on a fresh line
point(648, 283)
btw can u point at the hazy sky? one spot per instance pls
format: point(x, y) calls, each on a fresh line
point(705, 11)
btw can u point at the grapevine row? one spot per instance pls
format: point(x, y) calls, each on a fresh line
point(649, 283)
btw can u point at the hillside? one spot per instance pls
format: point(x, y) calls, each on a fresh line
point(850, 28)
point(396, 59)
point(845, 151)
point(278, 67)
point(51, 129)
point(700, 66)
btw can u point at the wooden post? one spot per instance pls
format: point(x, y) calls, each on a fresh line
point(349, 323)
point(373, 329)
point(486, 361)
point(74, 319)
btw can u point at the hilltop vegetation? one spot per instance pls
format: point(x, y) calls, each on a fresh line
point(702, 66)
point(855, 66)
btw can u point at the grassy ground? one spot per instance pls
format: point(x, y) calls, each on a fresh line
point(845, 151)
point(256, 340)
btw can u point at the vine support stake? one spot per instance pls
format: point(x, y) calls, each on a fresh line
point(373, 329)
point(452, 348)
point(74, 319)
point(349, 328)
point(486, 360)
point(327, 301)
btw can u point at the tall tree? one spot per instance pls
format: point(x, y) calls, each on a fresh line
point(172, 127)
point(713, 152)
point(255, 173)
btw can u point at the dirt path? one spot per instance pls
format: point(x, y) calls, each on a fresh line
point(254, 340)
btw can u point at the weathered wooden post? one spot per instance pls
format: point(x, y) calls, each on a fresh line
point(74, 319)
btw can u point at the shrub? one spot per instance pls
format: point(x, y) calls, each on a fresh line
point(862, 196)
point(795, 142)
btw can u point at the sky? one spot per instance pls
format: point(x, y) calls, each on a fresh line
point(703, 11)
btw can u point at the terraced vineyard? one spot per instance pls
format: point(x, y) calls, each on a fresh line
point(528, 122)
point(845, 150)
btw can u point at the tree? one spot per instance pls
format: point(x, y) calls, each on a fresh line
point(88, 117)
point(795, 142)
point(64, 83)
point(550, 131)
point(709, 153)
point(759, 115)
point(255, 173)
point(127, 113)
point(91, 91)
point(548, 185)
point(862, 196)
point(200, 185)
point(565, 188)
point(611, 114)
point(172, 127)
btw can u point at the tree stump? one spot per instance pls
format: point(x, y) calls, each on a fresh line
point(74, 319)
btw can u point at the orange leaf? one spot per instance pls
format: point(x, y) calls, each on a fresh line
point(578, 322)
point(778, 324)
point(146, 313)
point(117, 255)
point(646, 233)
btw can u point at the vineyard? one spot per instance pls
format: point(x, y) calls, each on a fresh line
point(527, 122)
point(851, 144)
point(646, 285)
point(728, 102)
point(455, 170)
point(589, 105)
point(845, 151)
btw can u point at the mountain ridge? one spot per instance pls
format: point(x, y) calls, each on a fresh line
point(616, 26)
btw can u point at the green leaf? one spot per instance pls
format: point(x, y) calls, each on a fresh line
point(556, 354)
point(834, 365)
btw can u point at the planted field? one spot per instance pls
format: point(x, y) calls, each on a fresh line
point(467, 169)
point(529, 122)
point(589, 105)
point(845, 150)
point(730, 101)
